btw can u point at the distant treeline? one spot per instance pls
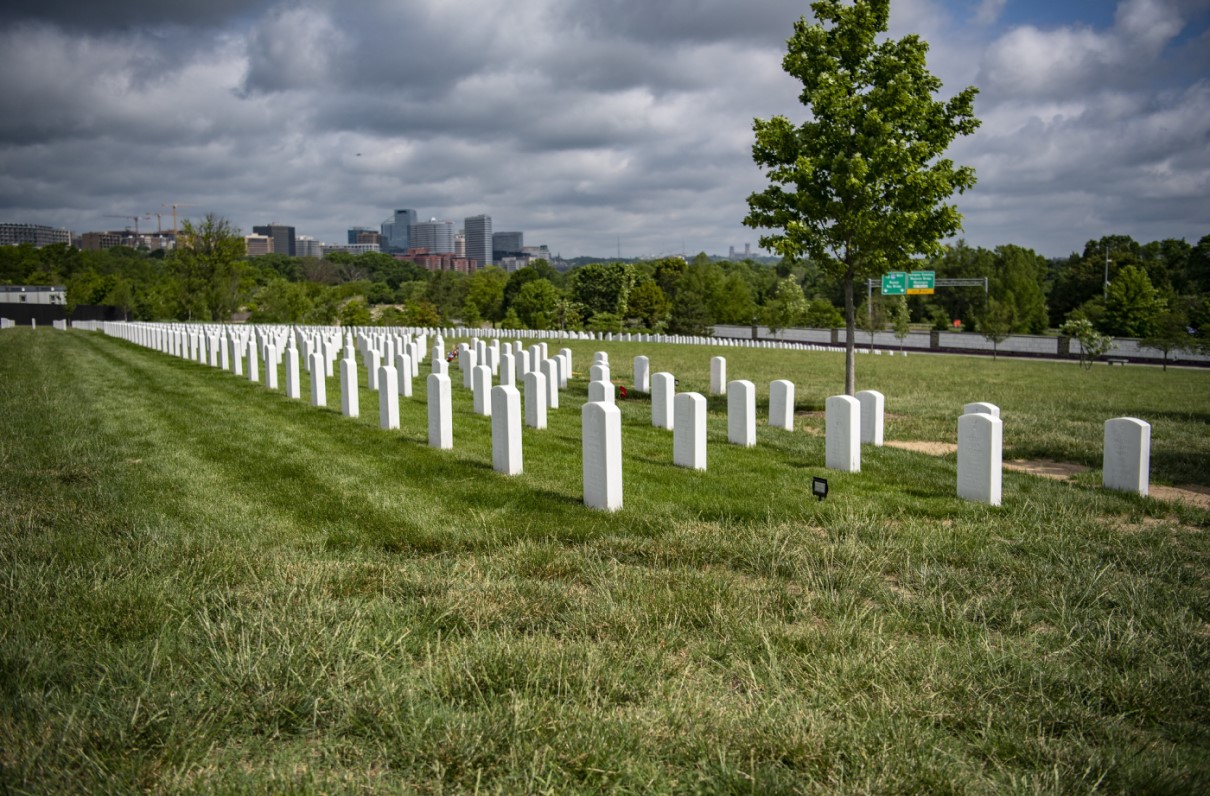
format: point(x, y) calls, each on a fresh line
point(1152, 286)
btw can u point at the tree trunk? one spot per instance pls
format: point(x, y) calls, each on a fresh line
point(850, 322)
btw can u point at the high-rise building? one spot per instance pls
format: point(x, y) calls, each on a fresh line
point(258, 243)
point(436, 236)
point(507, 244)
point(283, 237)
point(479, 239)
point(397, 230)
point(355, 231)
point(307, 246)
point(460, 243)
point(36, 234)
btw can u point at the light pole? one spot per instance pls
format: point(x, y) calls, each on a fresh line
point(1106, 296)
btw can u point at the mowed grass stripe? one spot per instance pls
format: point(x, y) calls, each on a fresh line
point(190, 610)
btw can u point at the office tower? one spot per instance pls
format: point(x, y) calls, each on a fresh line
point(307, 246)
point(435, 236)
point(396, 230)
point(460, 243)
point(282, 235)
point(356, 231)
point(507, 244)
point(258, 244)
point(479, 239)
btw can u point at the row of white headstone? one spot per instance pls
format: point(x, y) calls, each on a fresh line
point(392, 361)
point(1126, 455)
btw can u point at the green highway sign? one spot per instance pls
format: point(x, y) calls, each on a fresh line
point(919, 283)
point(894, 283)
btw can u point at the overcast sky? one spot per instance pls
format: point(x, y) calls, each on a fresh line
point(588, 124)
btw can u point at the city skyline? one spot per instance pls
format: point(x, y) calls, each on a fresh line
point(615, 129)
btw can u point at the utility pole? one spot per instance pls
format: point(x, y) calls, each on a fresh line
point(1106, 297)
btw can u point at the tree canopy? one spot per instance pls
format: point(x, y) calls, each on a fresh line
point(861, 186)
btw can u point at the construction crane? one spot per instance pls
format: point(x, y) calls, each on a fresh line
point(133, 218)
point(174, 206)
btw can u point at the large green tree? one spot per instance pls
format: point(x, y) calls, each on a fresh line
point(862, 185)
point(209, 261)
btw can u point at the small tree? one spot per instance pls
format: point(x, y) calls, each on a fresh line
point(1093, 344)
point(871, 318)
point(901, 320)
point(862, 185)
point(1170, 332)
point(787, 307)
point(995, 324)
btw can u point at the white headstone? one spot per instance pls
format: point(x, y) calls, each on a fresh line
point(663, 387)
point(642, 374)
point(980, 451)
point(508, 368)
point(842, 435)
point(535, 399)
point(468, 360)
point(601, 436)
point(601, 391)
point(349, 397)
point(550, 369)
point(718, 375)
point(253, 365)
point(271, 366)
point(741, 413)
point(441, 412)
point(689, 431)
point(373, 368)
point(388, 398)
point(404, 367)
point(506, 429)
point(481, 386)
point(319, 384)
point(1126, 460)
point(872, 403)
point(981, 407)
point(781, 404)
point(293, 383)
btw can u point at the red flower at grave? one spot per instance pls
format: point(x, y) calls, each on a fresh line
point(622, 391)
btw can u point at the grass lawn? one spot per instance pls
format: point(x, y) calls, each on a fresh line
point(206, 586)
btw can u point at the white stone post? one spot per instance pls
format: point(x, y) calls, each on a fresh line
point(642, 374)
point(980, 451)
point(663, 387)
point(467, 361)
point(441, 412)
point(872, 404)
point(598, 372)
point(689, 431)
point(1126, 460)
point(741, 413)
point(781, 404)
point(718, 375)
point(388, 398)
point(319, 385)
point(506, 429)
point(481, 386)
point(535, 399)
point(349, 398)
point(842, 436)
point(601, 436)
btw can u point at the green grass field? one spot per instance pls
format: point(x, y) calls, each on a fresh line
point(208, 587)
